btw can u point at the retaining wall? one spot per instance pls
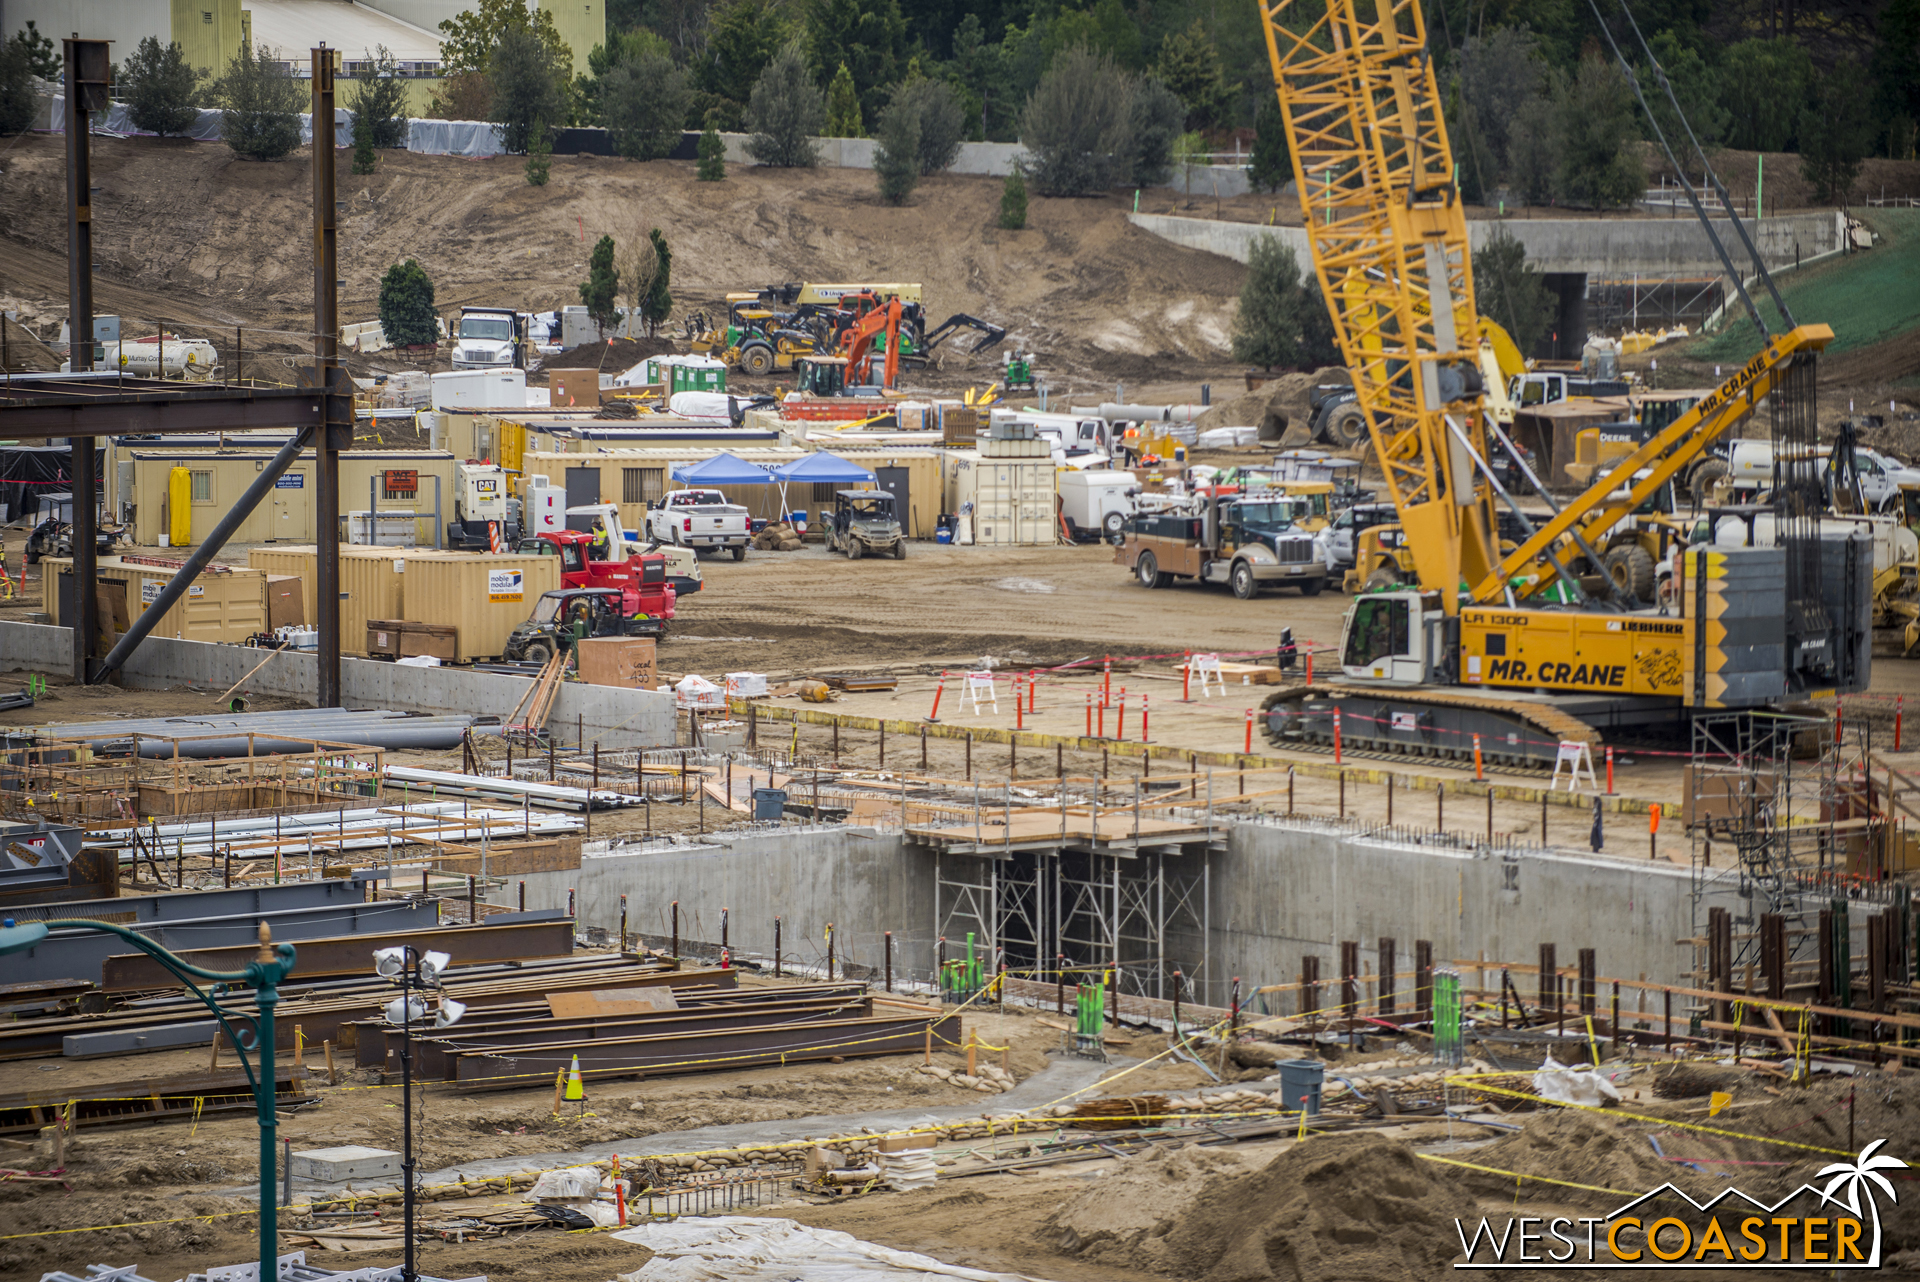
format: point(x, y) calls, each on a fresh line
point(615, 714)
point(1279, 892)
point(1602, 248)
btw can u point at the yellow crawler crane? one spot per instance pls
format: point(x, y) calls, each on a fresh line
point(1532, 662)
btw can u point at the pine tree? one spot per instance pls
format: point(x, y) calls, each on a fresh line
point(1510, 292)
point(1272, 163)
point(380, 95)
point(843, 107)
point(713, 157)
point(1282, 319)
point(896, 153)
point(260, 102)
point(362, 145)
point(602, 286)
point(1190, 66)
point(1013, 200)
point(785, 113)
point(406, 306)
point(658, 304)
point(539, 153)
point(1834, 135)
point(159, 85)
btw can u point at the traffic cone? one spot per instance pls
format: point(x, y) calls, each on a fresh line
point(575, 1090)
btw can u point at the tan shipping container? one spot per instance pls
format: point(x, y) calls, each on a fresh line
point(482, 597)
point(218, 607)
point(372, 585)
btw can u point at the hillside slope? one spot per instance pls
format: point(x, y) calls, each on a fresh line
point(189, 233)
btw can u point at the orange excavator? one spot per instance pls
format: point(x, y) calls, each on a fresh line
point(883, 320)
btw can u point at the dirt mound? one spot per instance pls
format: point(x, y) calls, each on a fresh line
point(1360, 1208)
point(1096, 298)
point(614, 356)
point(25, 354)
point(1281, 409)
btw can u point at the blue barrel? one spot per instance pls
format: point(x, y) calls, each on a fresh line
point(1301, 1078)
point(771, 803)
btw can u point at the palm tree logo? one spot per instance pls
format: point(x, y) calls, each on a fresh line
point(1863, 1175)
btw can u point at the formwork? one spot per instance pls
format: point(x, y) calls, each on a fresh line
point(224, 603)
point(372, 585)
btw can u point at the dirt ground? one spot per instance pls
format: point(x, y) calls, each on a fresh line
point(1096, 298)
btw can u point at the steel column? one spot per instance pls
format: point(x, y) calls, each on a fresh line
point(87, 75)
point(326, 326)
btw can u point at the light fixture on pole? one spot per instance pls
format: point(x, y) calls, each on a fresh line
point(412, 967)
point(264, 973)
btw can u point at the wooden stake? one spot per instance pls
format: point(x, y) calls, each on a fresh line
point(559, 1085)
point(215, 1061)
point(299, 1046)
point(333, 1078)
point(973, 1048)
point(929, 1058)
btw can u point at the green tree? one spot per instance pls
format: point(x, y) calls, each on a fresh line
point(658, 304)
point(896, 152)
point(43, 58)
point(464, 95)
point(1156, 116)
point(601, 289)
point(17, 98)
point(1510, 291)
point(1190, 155)
point(622, 48)
point(1079, 126)
point(1896, 72)
point(1533, 158)
point(529, 85)
point(1105, 28)
point(1282, 318)
point(379, 97)
point(1493, 77)
point(1763, 84)
point(843, 107)
point(1695, 85)
point(539, 153)
point(1835, 131)
point(978, 69)
point(643, 104)
point(743, 37)
point(407, 317)
point(713, 157)
point(158, 84)
point(1271, 166)
point(785, 113)
point(940, 122)
point(473, 36)
point(1190, 66)
point(1013, 200)
point(1600, 162)
point(363, 157)
point(260, 102)
point(870, 36)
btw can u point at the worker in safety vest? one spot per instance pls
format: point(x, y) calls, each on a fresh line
point(602, 541)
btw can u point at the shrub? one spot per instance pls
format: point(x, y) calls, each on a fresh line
point(896, 153)
point(380, 98)
point(158, 84)
point(260, 104)
point(713, 157)
point(406, 305)
point(602, 286)
point(529, 86)
point(1078, 125)
point(1013, 201)
point(1283, 318)
point(785, 113)
point(643, 104)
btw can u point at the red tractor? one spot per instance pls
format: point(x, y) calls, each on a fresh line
point(642, 578)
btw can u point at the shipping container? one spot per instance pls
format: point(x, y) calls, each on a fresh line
point(372, 585)
point(1012, 497)
point(482, 597)
point(228, 604)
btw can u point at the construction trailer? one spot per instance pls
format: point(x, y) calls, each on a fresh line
point(224, 604)
point(178, 495)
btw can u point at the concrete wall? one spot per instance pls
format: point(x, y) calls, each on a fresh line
point(1280, 891)
point(862, 881)
point(993, 159)
point(1604, 248)
point(617, 716)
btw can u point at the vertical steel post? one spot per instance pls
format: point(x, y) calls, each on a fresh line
point(326, 452)
point(87, 75)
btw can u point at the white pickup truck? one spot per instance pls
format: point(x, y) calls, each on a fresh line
point(699, 519)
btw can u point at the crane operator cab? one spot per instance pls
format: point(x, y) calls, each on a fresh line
point(1396, 636)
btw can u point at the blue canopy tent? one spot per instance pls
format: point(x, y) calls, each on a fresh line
point(722, 469)
point(819, 468)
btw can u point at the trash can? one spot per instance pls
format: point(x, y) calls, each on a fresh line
point(771, 803)
point(1298, 1078)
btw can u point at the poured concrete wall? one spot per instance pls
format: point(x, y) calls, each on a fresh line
point(616, 715)
point(1279, 892)
point(861, 881)
point(1601, 248)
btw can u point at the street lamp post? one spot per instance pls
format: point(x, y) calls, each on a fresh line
point(411, 966)
point(264, 974)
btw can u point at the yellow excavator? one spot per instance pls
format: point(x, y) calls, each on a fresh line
point(1501, 647)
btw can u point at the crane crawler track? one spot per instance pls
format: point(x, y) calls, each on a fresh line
point(1419, 722)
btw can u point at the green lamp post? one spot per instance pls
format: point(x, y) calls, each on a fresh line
point(263, 974)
